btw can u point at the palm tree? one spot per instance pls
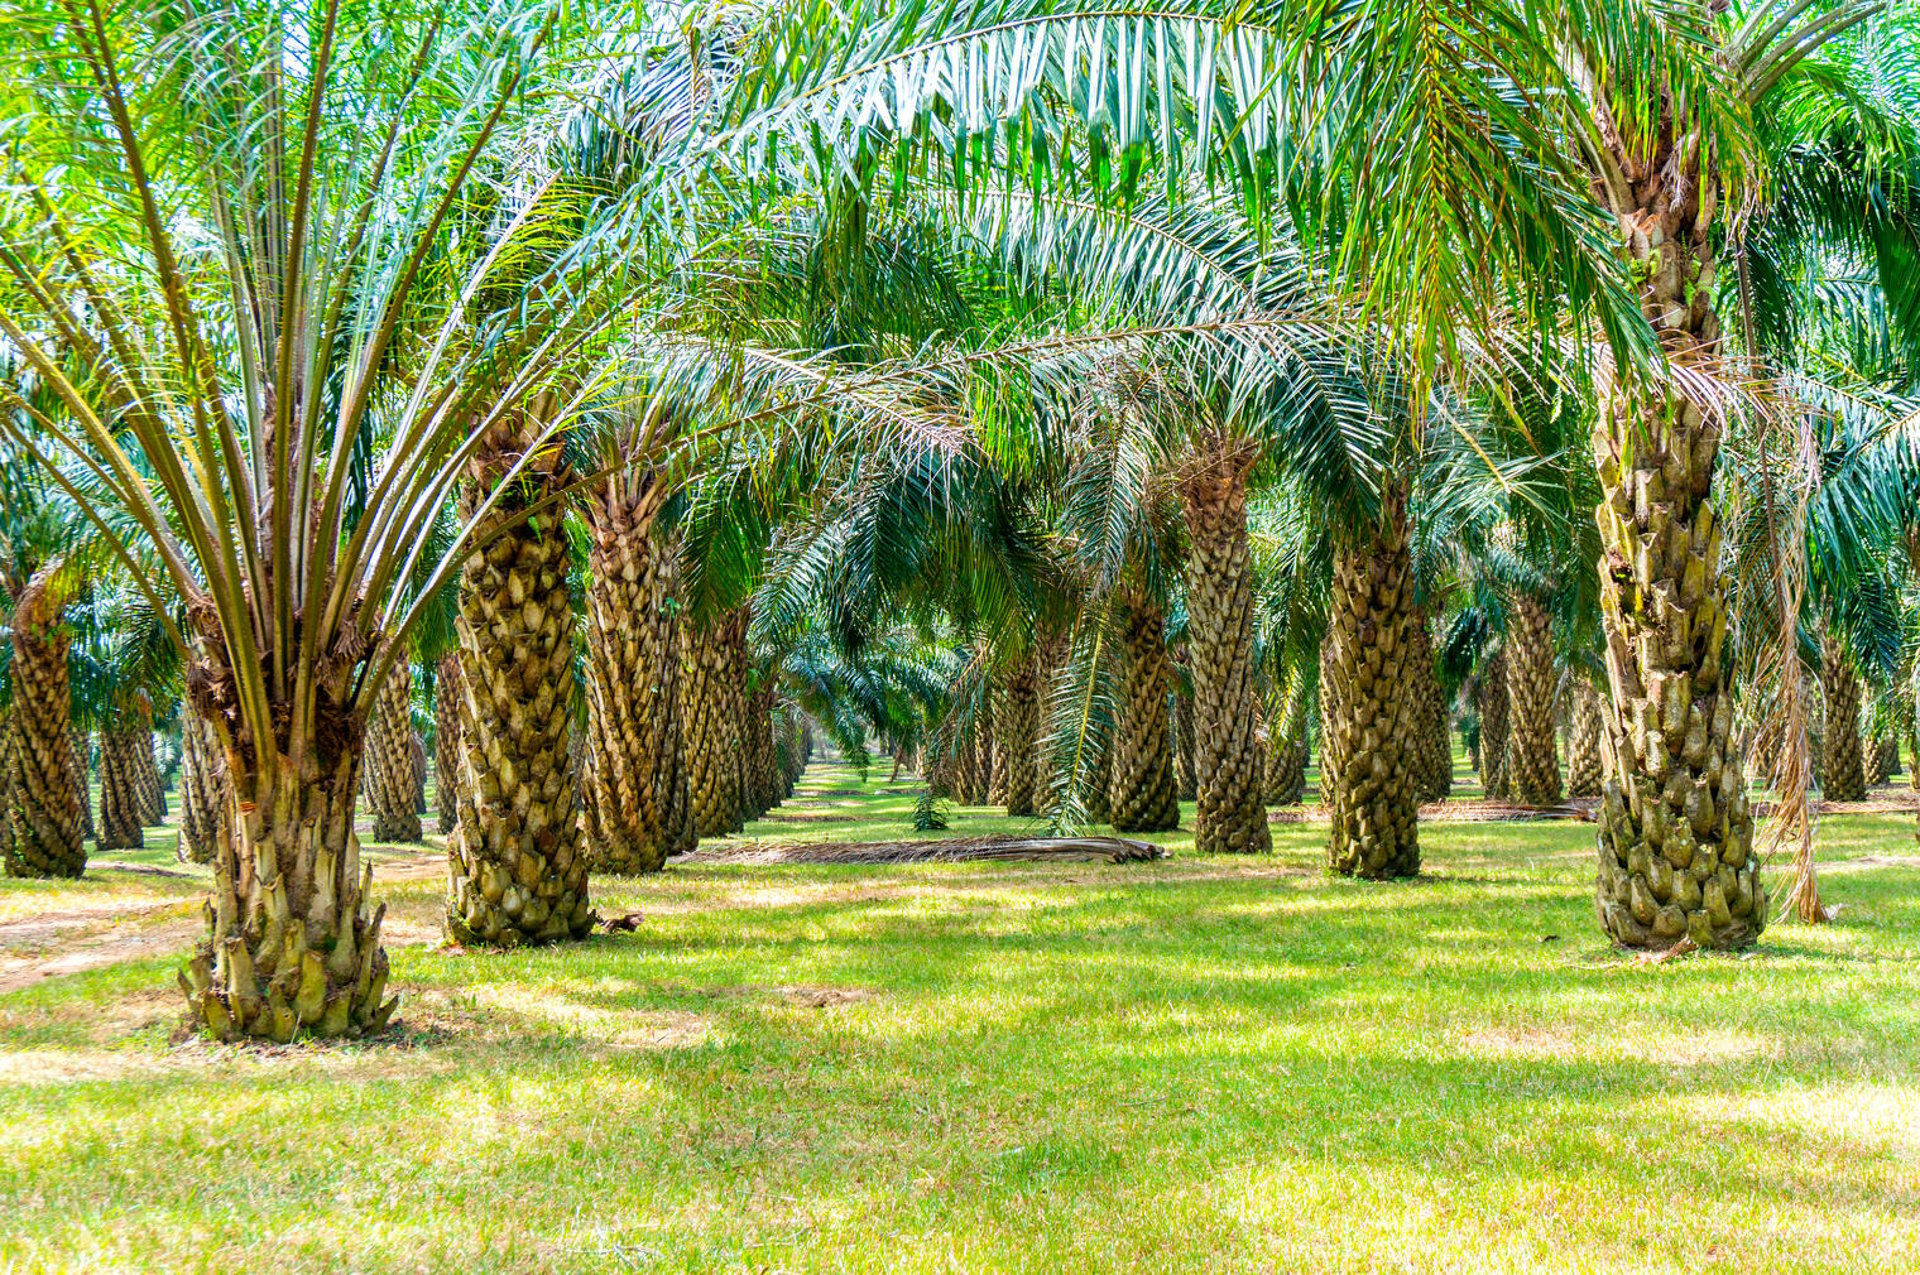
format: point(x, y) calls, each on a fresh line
point(251, 378)
point(1583, 742)
point(1532, 742)
point(1842, 774)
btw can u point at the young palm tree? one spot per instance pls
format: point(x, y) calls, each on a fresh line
point(251, 376)
point(1843, 772)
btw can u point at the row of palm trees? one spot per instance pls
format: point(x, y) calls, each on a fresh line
point(1006, 331)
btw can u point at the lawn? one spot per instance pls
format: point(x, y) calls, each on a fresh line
point(1197, 1064)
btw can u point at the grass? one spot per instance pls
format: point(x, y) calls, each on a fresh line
point(1201, 1064)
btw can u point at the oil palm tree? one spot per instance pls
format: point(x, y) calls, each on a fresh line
point(249, 378)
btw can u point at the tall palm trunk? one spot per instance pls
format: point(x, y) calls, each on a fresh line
point(708, 704)
point(1019, 736)
point(766, 761)
point(1231, 817)
point(1186, 774)
point(1369, 738)
point(1433, 746)
point(44, 806)
point(82, 775)
point(204, 791)
point(1584, 774)
point(149, 791)
point(120, 804)
point(518, 872)
point(1844, 773)
point(6, 786)
point(966, 763)
point(981, 793)
point(1532, 743)
point(447, 693)
point(389, 779)
point(1676, 832)
point(629, 684)
point(1493, 728)
point(1143, 796)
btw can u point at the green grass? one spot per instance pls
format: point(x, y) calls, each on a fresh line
point(1201, 1064)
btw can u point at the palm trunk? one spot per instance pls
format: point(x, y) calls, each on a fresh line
point(1433, 751)
point(966, 763)
point(518, 872)
point(417, 753)
point(708, 706)
point(1143, 796)
point(6, 788)
point(1584, 773)
point(389, 779)
point(82, 774)
point(290, 942)
point(1676, 832)
point(1186, 775)
point(766, 762)
point(120, 822)
point(1287, 751)
point(1369, 739)
point(1844, 773)
point(629, 684)
point(447, 693)
point(1231, 817)
point(1018, 738)
point(1532, 743)
point(44, 806)
point(204, 791)
point(151, 793)
point(1883, 759)
point(997, 746)
point(1493, 728)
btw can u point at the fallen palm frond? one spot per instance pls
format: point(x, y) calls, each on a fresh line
point(953, 850)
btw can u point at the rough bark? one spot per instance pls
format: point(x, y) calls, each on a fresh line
point(1018, 737)
point(120, 822)
point(1584, 770)
point(998, 760)
point(1843, 774)
point(1186, 775)
point(204, 791)
point(1675, 845)
point(1230, 816)
point(713, 730)
point(149, 792)
point(290, 944)
point(447, 693)
point(82, 774)
point(965, 769)
point(983, 750)
point(518, 871)
point(44, 807)
point(629, 684)
point(1369, 737)
point(1433, 747)
point(1532, 743)
point(1493, 728)
point(6, 786)
point(1143, 796)
point(389, 765)
point(763, 768)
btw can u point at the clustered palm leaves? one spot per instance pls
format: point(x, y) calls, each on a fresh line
point(1078, 403)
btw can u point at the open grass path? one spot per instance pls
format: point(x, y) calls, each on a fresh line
point(1196, 1064)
